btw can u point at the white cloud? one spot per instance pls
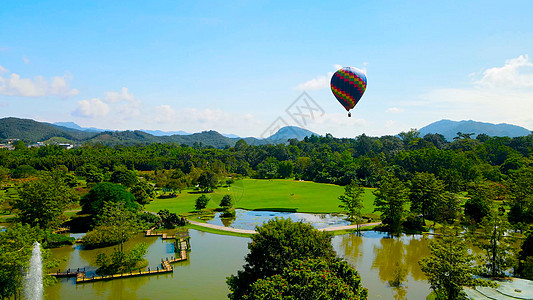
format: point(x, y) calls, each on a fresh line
point(130, 110)
point(4, 104)
point(123, 95)
point(164, 114)
point(3, 70)
point(130, 106)
point(511, 75)
point(317, 83)
point(394, 110)
point(25, 59)
point(94, 108)
point(14, 85)
point(503, 95)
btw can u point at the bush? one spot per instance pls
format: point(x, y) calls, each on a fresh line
point(80, 223)
point(413, 223)
point(149, 219)
point(228, 213)
point(100, 237)
point(170, 220)
point(121, 261)
point(201, 202)
point(226, 201)
point(53, 240)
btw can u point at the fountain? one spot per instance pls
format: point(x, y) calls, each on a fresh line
point(33, 285)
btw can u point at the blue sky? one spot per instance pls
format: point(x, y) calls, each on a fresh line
point(236, 66)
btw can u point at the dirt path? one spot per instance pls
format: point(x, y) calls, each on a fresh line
point(246, 231)
point(348, 227)
point(333, 228)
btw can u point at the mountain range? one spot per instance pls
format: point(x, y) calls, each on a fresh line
point(31, 131)
point(450, 128)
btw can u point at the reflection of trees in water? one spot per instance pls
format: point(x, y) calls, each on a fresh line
point(350, 244)
point(227, 221)
point(400, 292)
point(387, 257)
point(396, 252)
point(414, 251)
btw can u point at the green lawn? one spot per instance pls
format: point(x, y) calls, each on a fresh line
point(276, 194)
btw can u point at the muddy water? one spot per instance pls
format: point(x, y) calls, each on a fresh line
point(214, 257)
point(377, 257)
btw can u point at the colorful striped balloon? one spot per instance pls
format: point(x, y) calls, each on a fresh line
point(348, 85)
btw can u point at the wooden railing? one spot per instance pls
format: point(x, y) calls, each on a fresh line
point(182, 246)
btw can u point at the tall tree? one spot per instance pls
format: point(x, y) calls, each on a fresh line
point(525, 258)
point(226, 201)
point(520, 186)
point(426, 194)
point(277, 243)
point(143, 192)
point(479, 204)
point(352, 201)
point(207, 181)
point(201, 202)
point(449, 208)
point(450, 266)
point(127, 178)
point(391, 199)
point(93, 202)
point(42, 201)
point(499, 254)
point(119, 221)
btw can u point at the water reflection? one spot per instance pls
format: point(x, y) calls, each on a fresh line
point(247, 219)
point(212, 259)
point(378, 257)
point(227, 221)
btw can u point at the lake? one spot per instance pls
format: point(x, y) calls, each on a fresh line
point(249, 219)
point(214, 257)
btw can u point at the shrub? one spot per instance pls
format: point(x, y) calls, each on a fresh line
point(54, 240)
point(100, 237)
point(201, 202)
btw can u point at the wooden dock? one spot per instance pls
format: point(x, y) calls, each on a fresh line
point(166, 267)
point(67, 273)
point(182, 246)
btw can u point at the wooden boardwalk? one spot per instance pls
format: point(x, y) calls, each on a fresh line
point(182, 246)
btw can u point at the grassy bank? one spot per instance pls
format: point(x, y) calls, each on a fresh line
point(262, 194)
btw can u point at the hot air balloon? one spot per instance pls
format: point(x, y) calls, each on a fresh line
point(348, 85)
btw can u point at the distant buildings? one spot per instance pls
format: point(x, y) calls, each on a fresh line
point(9, 144)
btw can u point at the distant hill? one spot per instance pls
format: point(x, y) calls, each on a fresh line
point(450, 128)
point(290, 132)
point(73, 125)
point(31, 131)
point(164, 133)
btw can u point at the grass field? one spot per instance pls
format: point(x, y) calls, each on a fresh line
point(263, 194)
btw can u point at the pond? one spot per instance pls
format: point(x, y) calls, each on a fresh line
point(214, 257)
point(249, 219)
point(376, 256)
